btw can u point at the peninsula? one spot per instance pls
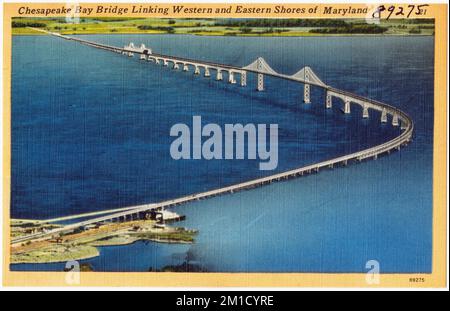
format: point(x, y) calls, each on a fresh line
point(82, 243)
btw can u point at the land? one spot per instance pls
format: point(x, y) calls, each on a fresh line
point(82, 244)
point(223, 27)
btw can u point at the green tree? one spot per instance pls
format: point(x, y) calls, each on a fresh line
point(245, 29)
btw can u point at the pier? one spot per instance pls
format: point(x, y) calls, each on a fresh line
point(261, 68)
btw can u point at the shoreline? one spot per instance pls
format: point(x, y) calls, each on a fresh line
point(164, 241)
point(80, 245)
point(237, 35)
point(54, 261)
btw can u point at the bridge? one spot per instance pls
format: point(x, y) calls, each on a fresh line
point(260, 67)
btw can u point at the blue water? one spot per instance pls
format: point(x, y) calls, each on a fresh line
point(90, 131)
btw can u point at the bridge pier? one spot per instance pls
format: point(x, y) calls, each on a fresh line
point(402, 125)
point(395, 120)
point(219, 76)
point(260, 86)
point(165, 63)
point(259, 66)
point(197, 70)
point(365, 112)
point(157, 61)
point(176, 66)
point(243, 78)
point(143, 57)
point(328, 101)
point(130, 54)
point(185, 67)
point(306, 94)
point(347, 106)
point(384, 116)
point(207, 74)
point(231, 77)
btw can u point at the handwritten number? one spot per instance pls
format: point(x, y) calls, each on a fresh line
point(411, 9)
point(391, 10)
point(377, 13)
point(421, 11)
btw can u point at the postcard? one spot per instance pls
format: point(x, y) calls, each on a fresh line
point(225, 145)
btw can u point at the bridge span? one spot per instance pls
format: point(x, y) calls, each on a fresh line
point(305, 76)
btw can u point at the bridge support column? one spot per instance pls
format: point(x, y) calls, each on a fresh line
point(130, 54)
point(259, 66)
point(402, 125)
point(383, 116)
point(243, 78)
point(395, 120)
point(165, 63)
point(328, 101)
point(260, 86)
point(143, 57)
point(346, 106)
point(197, 70)
point(306, 94)
point(185, 67)
point(157, 61)
point(219, 76)
point(176, 66)
point(365, 112)
point(231, 77)
point(207, 74)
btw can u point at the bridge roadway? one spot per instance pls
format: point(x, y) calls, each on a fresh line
point(358, 99)
point(351, 97)
point(372, 152)
point(83, 215)
point(177, 59)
